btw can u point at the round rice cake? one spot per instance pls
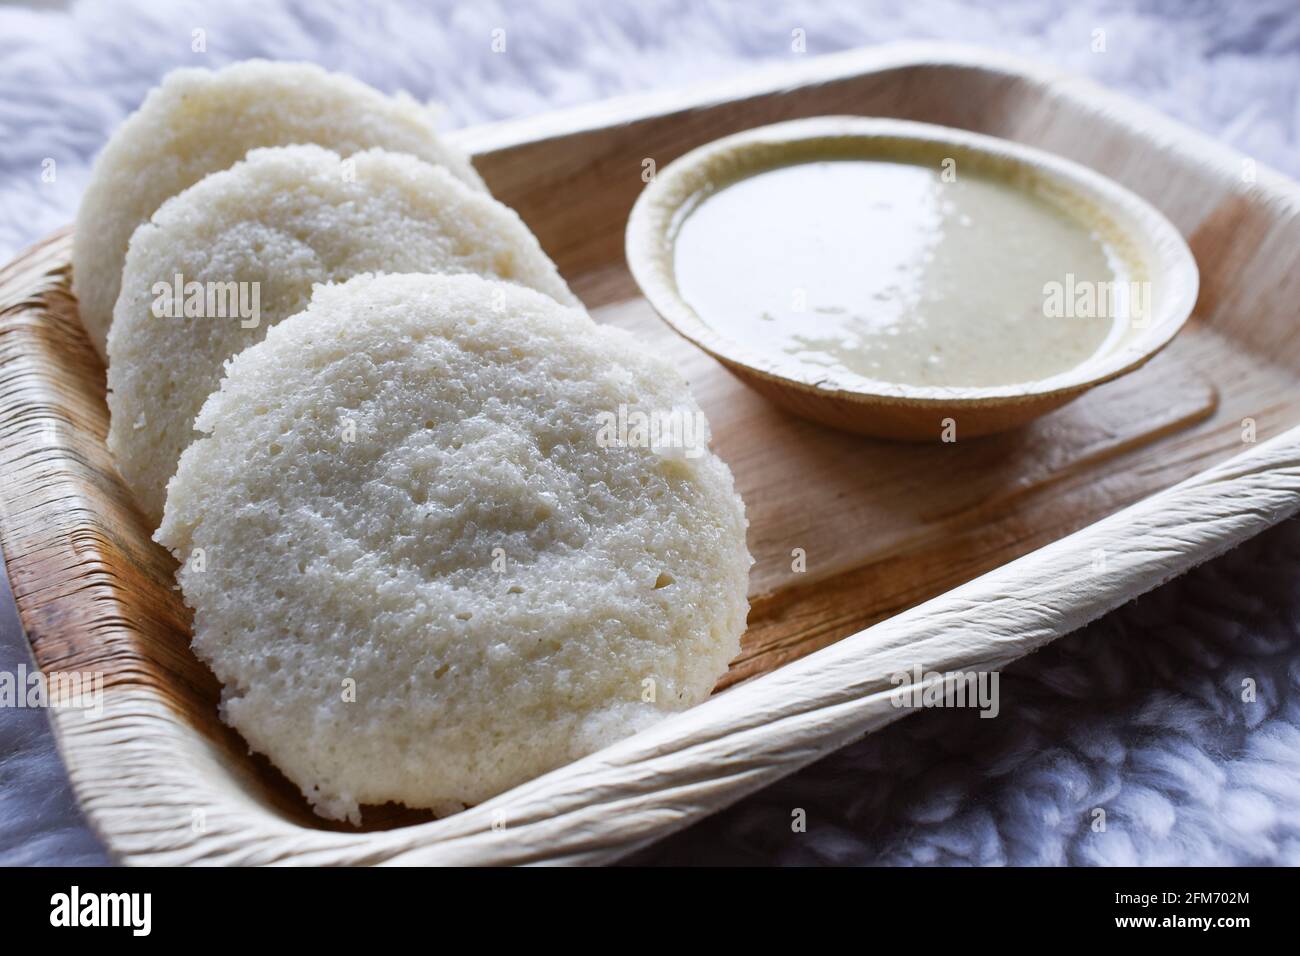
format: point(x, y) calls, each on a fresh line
point(249, 242)
point(434, 551)
point(201, 121)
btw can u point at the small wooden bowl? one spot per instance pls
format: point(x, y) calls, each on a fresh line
point(887, 409)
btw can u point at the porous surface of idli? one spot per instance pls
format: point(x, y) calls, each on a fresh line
point(410, 494)
point(285, 218)
point(200, 121)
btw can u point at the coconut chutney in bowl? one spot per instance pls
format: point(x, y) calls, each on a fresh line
point(894, 278)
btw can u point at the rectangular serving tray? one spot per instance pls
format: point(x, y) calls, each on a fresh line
point(943, 557)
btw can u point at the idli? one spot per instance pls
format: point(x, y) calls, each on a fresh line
point(248, 243)
point(424, 562)
point(200, 121)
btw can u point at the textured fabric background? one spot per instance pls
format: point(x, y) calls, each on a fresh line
point(1139, 714)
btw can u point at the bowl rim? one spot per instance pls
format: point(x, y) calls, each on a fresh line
point(650, 238)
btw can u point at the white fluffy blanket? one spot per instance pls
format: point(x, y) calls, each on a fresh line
point(1137, 715)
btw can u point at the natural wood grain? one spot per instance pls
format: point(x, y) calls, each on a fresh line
point(889, 530)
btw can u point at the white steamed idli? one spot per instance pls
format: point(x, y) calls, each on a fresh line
point(200, 121)
point(422, 562)
point(273, 225)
